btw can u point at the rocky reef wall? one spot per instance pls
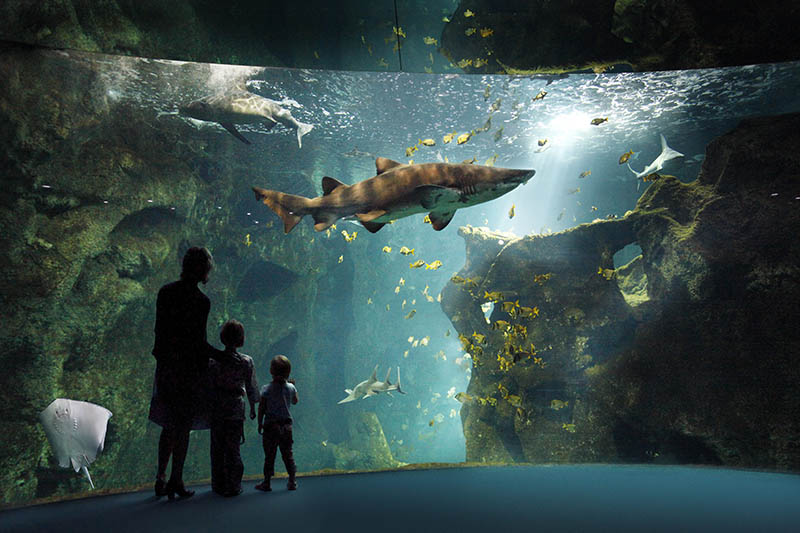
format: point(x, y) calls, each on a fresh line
point(686, 355)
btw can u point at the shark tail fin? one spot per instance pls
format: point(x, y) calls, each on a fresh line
point(631, 169)
point(668, 153)
point(289, 207)
point(302, 129)
point(399, 389)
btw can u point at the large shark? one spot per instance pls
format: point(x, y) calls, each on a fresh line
point(666, 154)
point(240, 106)
point(372, 387)
point(397, 191)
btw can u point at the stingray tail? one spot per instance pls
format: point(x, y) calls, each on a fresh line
point(289, 207)
point(302, 129)
point(86, 471)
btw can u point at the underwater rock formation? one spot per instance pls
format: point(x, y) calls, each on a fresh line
point(687, 354)
point(542, 36)
point(366, 449)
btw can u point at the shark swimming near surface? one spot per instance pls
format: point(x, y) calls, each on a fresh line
point(240, 106)
point(373, 387)
point(666, 154)
point(397, 191)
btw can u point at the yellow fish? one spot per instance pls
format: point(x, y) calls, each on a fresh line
point(427, 219)
point(574, 191)
point(541, 278)
point(439, 297)
point(410, 150)
point(463, 397)
point(431, 422)
point(324, 443)
point(316, 54)
point(349, 237)
point(558, 404)
point(500, 324)
point(464, 137)
point(478, 63)
point(624, 157)
point(427, 69)
point(386, 249)
point(514, 400)
point(369, 301)
point(651, 177)
point(464, 63)
point(585, 173)
point(469, 161)
point(403, 305)
point(494, 296)
point(433, 266)
point(429, 298)
point(428, 142)
point(449, 137)
point(479, 337)
point(387, 307)
point(397, 290)
point(430, 40)
point(510, 306)
point(594, 208)
point(542, 142)
point(568, 427)
point(402, 282)
point(491, 161)
point(445, 20)
point(399, 32)
point(511, 212)
point(447, 333)
point(416, 264)
point(457, 279)
point(540, 96)
point(606, 272)
point(341, 258)
point(486, 32)
point(469, 13)
point(247, 241)
point(382, 63)
point(425, 340)
point(407, 251)
point(411, 314)
point(598, 121)
point(528, 312)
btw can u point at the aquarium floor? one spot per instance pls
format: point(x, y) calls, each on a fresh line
point(523, 498)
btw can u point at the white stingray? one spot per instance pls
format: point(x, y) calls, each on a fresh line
point(76, 431)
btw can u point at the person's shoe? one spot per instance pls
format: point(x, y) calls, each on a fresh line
point(264, 486)
point(232, 493)
point(291, 485)
point(160, 488)
point(174, 488)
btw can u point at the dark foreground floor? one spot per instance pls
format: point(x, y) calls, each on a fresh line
point(492, 499)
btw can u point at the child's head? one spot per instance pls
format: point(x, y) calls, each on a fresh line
point(280, 367)
point(232, 334)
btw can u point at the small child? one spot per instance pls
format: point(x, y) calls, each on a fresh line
point(232, 376)
point(275, 421)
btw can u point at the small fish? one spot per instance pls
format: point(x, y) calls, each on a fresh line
point(349, 237)
point(598, 121)
point(411, 314)
point(382, 63)
point(431, 422)
point(387, 307)
point(427, 142)
point(369, 301)
point(574, 191)
point(247, 241)
point(625, 157)
point(468, 13)
point(341, 258)
point(511, 212)
point(500, 324)
point(594, 208)
point(430, 40)
point(416, 264)
point(464, 137)
point(585, 173)
point(316, 54)
point(478, 337)
point(449, 137)
point(410, 150)
point(486, 32)
point(464, 63)
point(498, 134)
point(528, 312)
point(558, 404)
point(324, 444)
point(401, 282)
point(491, 161)
point(399, 32)
point(470, 31)
point(561, 214)
point(540, 96)
point(447, 333)
point(478, 63)
point(487, 92)
point(397, 290)
point(386, 249)
point(541, 278)
point(453, 413)
point(514, 400)
point(568, 427)
point(494, 296)
point(425, 340)
point(463, 397)
point(469, 161)
point(445, 20)
point(496, 105)
point(406, 251)
point(433, 266)
point(405, 354)
point(508, 307)
point(651, 177)
point(458, 280)
point(607, 273)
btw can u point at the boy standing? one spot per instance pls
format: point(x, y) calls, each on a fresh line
point(275, 421)
point(232, 376)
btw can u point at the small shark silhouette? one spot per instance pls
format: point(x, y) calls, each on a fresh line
point(397, 191)
point(373, 387)
point(666, 154)
point(240, 106)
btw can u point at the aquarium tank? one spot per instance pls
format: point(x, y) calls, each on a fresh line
point(629, 296)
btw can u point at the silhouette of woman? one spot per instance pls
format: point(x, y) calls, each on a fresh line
point(182, 354)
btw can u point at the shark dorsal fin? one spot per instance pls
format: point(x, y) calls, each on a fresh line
point(439, 221)
point(382, 165)
point(330, 184)
point(388, 373)
point(374, 377)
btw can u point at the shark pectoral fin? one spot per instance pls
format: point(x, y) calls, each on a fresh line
point(373, 227)
point(382, 165)
point(439, 221)
point(323, 221)
point(372, 215)
point(432, 195)
point(232, 129)
point(330, 184)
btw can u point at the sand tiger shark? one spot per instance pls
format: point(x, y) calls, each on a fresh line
point(666, 154)
point(397, 191)
point(240, 106)
point(372, 387)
